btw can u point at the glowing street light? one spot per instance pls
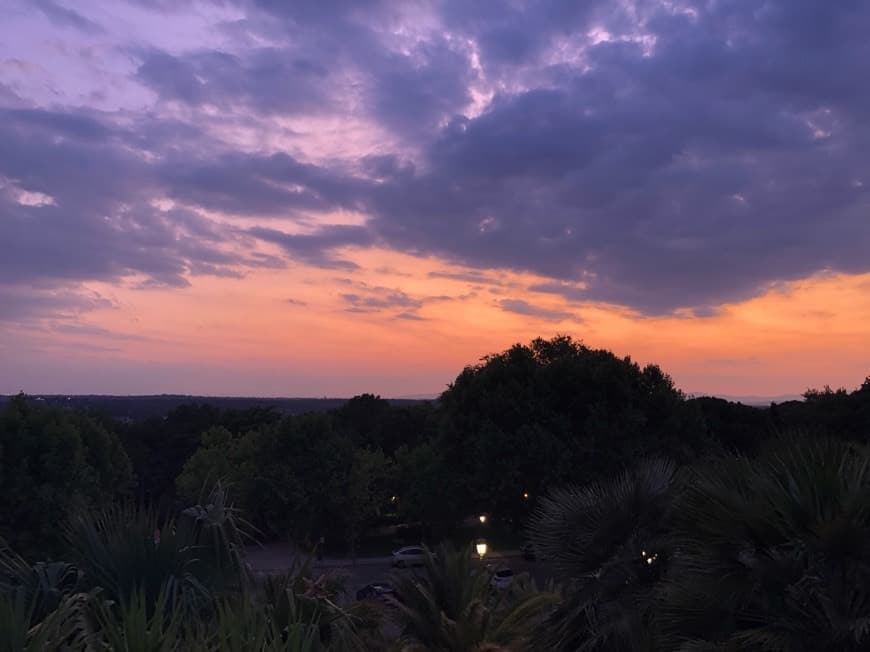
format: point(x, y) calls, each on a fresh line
point(481, 549)
point(526, 495)
point(482, 518)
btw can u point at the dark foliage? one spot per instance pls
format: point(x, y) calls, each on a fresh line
point(541, 415)
point(53, 462)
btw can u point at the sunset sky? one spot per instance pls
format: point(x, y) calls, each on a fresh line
point(312, 198)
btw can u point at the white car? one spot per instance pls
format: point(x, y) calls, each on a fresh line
point(409, 556)
point(502, 578)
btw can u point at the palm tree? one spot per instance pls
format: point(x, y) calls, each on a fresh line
point(145, 584)
point(773, 553)
point(608, 541)
point(451, 607)
point(127, 548)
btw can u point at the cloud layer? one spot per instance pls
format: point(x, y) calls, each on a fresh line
point(660, 156)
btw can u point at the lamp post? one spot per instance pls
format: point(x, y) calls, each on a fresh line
point(482, 518)
point(481, 549)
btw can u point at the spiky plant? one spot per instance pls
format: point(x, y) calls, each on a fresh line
point(127, 549)
point(118, 551)
point(300, 596)
point(136, 624)
point(23, 630)
point(608, 544)
point(773, 552)
point(42, 585)
point(219, 534)
point(451, 607)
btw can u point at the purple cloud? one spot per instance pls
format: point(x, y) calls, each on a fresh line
point(660, 156)
point(520, 307)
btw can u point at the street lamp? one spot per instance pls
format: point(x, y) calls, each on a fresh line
point(526, 495)
point(481, 549)
point(482, 518)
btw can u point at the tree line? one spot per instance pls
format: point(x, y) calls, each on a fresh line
point(508, 429)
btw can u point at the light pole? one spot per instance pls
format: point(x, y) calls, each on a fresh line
point(481, 549)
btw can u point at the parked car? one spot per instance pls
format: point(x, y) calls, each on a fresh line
point(527, 551)
point(502, 578)
point(409, 556)
point(375, 591)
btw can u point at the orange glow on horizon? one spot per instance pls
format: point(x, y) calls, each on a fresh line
point(281, 327)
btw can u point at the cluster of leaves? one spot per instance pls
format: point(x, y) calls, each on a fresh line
point(452, 607)
point(770, 553)
point(300, 478)
point(137, 582)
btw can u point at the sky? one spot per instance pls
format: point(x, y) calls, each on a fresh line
point(330, 197)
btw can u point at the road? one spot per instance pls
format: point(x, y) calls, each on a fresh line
point(273, 559)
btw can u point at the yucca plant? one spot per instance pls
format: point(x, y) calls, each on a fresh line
point(608, 542)
point(773, 552)
point(451, 607)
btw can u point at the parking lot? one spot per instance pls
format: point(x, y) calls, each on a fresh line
point(273, 559)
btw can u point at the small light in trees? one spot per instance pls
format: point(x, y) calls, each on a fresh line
point(482, 518)
point(526, 495)
point(393, 499)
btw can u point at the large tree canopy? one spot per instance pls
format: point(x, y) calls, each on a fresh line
point(540, 415)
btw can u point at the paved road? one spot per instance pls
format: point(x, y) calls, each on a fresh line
point(277, 558)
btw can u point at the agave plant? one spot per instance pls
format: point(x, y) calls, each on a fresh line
point(773, 553)
point(608, 542)
point(451, 607)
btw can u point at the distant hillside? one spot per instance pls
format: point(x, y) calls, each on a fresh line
point(763, 401)
point(141, 407)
